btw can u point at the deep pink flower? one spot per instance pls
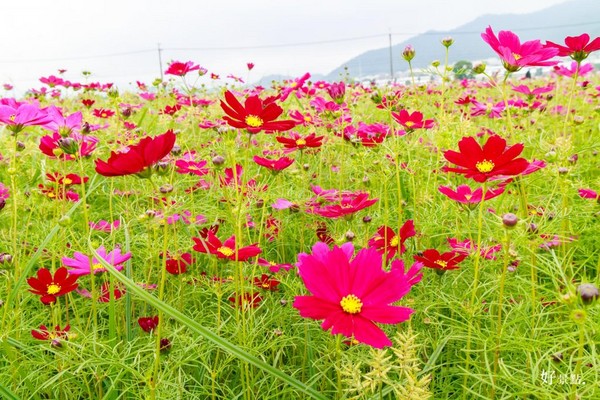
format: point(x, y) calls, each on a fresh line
point(589, 194)
point(83, 264)
point(465, 195)
point(515, 55)
point(347, 206)
point(211, 244)
point(468, 248)
point(18, 116)
point(412, 121)
point(490, 109)
point(66, 148)
point(273, 266)
point(274, 165)
point(105, 226)
point(61, 124)
point(385, 241)
point(573, 69)
point(294, 86)
point(577, 47)
point(102, 113)
point(191, 167)
point(179, 68)
point(353, 292)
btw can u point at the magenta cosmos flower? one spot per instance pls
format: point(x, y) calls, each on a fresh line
point(465, 195)
point(179, 68)
point(576, 47)
point(351, 293)
point(21, 115)
point(516, 55)
point(83, 264)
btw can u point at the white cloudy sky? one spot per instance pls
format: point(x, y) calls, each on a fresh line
point(39, 37)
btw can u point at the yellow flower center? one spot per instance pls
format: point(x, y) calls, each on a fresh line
point(97, 266)
point(226, 251)
point(485, 166)
point(307, 118)
point(442, 263)
point(517, 56)
point(266, 285)
point(12, 117)
point(300, 142)
point(53, 288)
point(394, 241)
point(409, 124)
point(57, 152)
point(294, 84)
point(253, 121)
point(490, 106)
point(103, 115)
point(67, 181)
point(51, 195)
point(351, 304)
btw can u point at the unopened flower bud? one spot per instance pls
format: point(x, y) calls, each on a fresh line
point(409, 53)
point(366, 219)
point(435, 63)
point(573, 159)
point(2, 204)
point(588, 292)
point(349, 236)
point(126, 113)
point(5, 258)
point(165, 345)
point(68, 145)
point(161, 167)
point(176, 150)
point(578, 120)
point(479, 68)
point(218, 160)
point(557, 357)
point(532, 228)
point(85, 128)
point(563, 170)
point(20, 146)
point(166, 189)
point(56, 343)
point(306, 167)
point(447, 41)
point(509, 220)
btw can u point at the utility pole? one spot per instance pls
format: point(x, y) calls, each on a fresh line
point(391, 59)
point(160, 61)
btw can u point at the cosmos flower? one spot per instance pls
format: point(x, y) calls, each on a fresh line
point(490, 109)
point(139, 158)
point(66, 148)
point(484, 162)
point(148, 324)
point(179, 68)
point(274, 165)
point(432, 258)
point(295, 141)
point(18, 116)
point(266, 282)
point(351, 293)
point(576, 47)
point(412, 121)
point(83, 264)
point(177, 264)
point(44, 334)
point(385, 241)
point(102, 113)
point(49, 286)
point(465, 195)
point(105, 226)
point(210, 244)
point(516, 55)
point(255, 115)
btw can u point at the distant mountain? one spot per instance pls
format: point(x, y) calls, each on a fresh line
point(554, 23)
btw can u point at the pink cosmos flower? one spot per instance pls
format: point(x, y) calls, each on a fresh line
point(191, 167)
point(531, 93)
point(294, 86)
point(61, 124)
point(490, 109)
point(583, 193)
point(465, 195)
point(516, 55)
point(573, 69)
point(412, 121)
point(348, 205)
point(350, 293)
point(385, 241)
point(367, 135)
point(18, 116)
point(577, 47)
point(105, 226)
point(468, 248)
point(179, 68)
point(83, 264)
point(4, 192)
point(274, 165)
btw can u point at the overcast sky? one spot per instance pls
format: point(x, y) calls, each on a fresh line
point(39, 37)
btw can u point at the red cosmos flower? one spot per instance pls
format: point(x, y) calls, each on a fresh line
point(177, 264)
point(49, 287)
point(273, 266)
point(250, 66)
point(65, 148)
point(105, 294)
point(482, 163)
point(385, 241)
point(102, 113)
point(168, 110)
point(577, 47)
point(180, 69)
point(212, 245)
point(589, 194)
point(515, 55)
point(465, 195)
point(69, 179)
point(412, 121)
point(148, 324)
point(255, 115)
point(191, 167)
point(247, 300)
point(45, 334)
point(349, 204)
point(274, 165)
point(267, 283)
point(299, 142)
point(58, 193)
point(139, 158)
point(87, 103)
point(432, 258)
point(350, 293)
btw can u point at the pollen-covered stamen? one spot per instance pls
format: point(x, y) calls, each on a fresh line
point(409, 124)
point(53, 288)
point(517, 56)
point(226, 251)
point(351, 304)
point(12, 117)
point(67, 181)
point(442, 263)
point(253, 121)
point(394, 241)
point(300, 142)
point(485, 166)
point(97, 266)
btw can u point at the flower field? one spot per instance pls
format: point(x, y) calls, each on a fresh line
point(324, 240)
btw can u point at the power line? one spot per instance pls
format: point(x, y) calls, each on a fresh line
point(428, 33)
point(126, 53)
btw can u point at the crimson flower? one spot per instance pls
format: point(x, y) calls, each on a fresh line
point(350, 293)
point(87, 102)
point(49, 286)
point(432, 258)
point(465, 195)
point(274, 165)
point(299, 142)
point(138, 158)
point(515, 55)
point(349, 204)
point(44, 334)
point(179, 68)
point(266, 282)
point(246, 300)
point(67, 180)
point(385, 241)
point(177, 264)
point(577, 47)
point(103, 113)
point(210, 244)
point(589, 194)
point(412, 121)
point(255, 115)
point(482, 163)
point(148, 324)
point(191, 167)
point(105, 293)
point(273, 266)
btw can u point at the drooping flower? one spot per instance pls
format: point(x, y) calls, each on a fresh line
point(465, 195)
point(294, 86)
point(589, 194)
point(179, 68)
point(484, 162)
point(432, 258)
point(515, 55)
point(148, 324)
point(44, 334)
point(83, 264)
point(576, 47)
point(49, 286)
point(385, 241)
point(573, 70)
point(211, 244)
point(274, 165)
point(467, 247)
point(353, 292)
point(66, 148)
point(255, 115)
point(139, 158)
point(273, 266)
